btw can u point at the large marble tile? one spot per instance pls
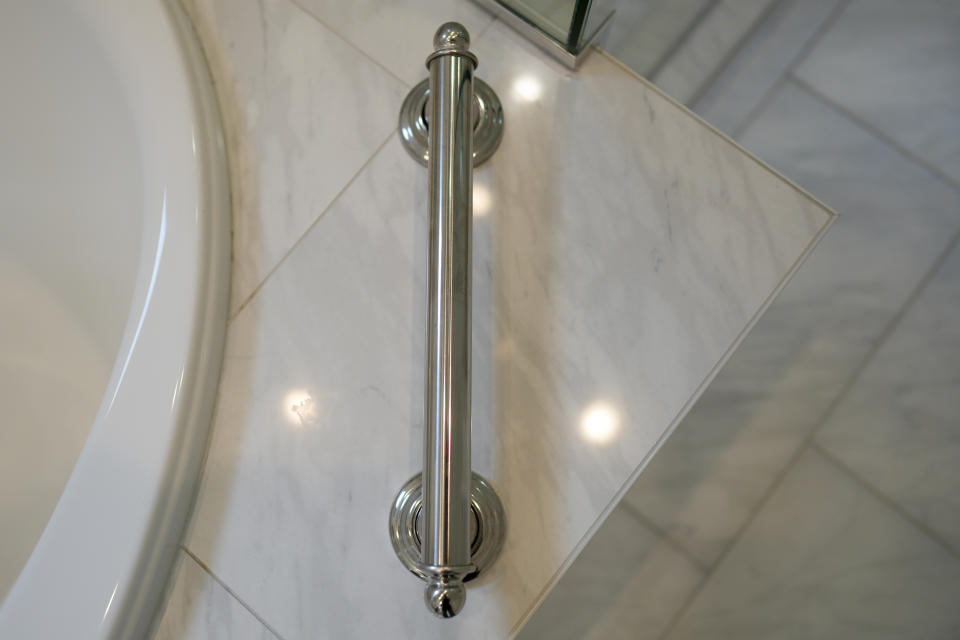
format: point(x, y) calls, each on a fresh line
point(896, 218)
point(692, 64)
point(397, 34)
point(621, 249)
point(626, 583)
point(899, 425)
point(198, 608)
point(302, 111)
point(825, 559)
point(894, 64)
point(739, 87)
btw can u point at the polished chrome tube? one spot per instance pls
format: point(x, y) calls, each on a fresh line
point(445, 515)
point(447, 524)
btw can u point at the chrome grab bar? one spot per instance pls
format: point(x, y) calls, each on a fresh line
point(447, 523)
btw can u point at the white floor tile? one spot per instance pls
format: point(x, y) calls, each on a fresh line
point(825, 559)
point(739, 87)
point(899, 426)
point(626, 583)
point(701, 54)
point(894, 64)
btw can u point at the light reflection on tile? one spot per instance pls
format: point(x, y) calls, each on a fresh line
point(599, 423)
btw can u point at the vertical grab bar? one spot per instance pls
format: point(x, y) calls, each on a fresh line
point(445, 546)
point(447, 523)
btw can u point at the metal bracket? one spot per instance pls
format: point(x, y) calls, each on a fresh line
point(487, 122)
point(487, 525)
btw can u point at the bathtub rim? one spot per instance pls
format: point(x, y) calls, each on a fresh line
point(100, 567)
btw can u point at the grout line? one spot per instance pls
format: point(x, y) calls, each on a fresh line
point(230, 591)
point(873, 130)
point(735, 51)
point(366, 55)
point(663, 535)
point(808, 441)
point(884, 498)
point(800, 57)
point(299, 240)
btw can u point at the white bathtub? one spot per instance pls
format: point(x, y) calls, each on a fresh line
point(114, 266)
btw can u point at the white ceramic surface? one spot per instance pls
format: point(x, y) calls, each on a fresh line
point(69, 250)
point(115, 240)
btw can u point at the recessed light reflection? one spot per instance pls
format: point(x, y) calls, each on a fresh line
point(599, 423)
point(481, 200)
point(527, 88)
point(299, 408)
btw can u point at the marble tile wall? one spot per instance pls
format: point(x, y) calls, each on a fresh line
point(618, 278)
point(814, 483)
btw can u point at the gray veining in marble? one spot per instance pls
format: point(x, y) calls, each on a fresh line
point(896, 219)
point(894, 65)
point(899, 426)
point(825, 559)
point(626, 583)
point(740, 86)
point(198, 608)
point(302, 111)
point(611, 281)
